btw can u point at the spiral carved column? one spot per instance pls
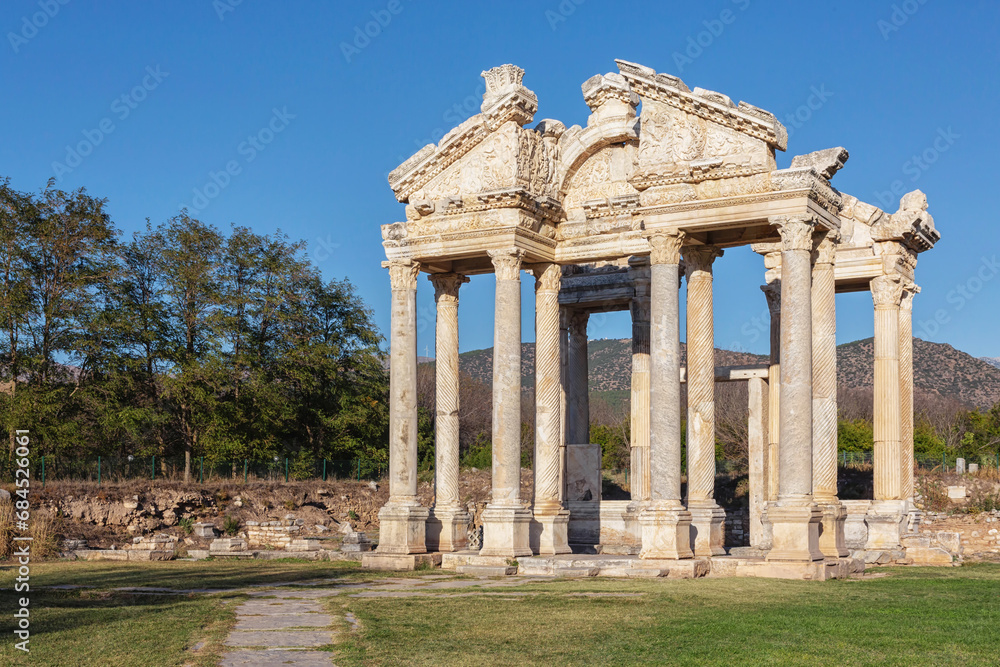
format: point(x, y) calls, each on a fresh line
point(549, 529)
point(832, 542)
point(707, 518)
point(447, 527)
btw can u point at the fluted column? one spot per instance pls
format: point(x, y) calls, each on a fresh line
point(549, 527)
point(578, 397)
point(639, 477)
point(707, 518)
point(666, 524)
point(831, 541)
point(886, 518)
point(448, 525)
point(772, 292)
point(505, 519)
point(402, 521)
point(795, 519)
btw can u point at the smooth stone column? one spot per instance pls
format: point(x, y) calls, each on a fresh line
point(448, 525)
point(578, 396)
point(549, 528)
point(402, 520)
point(795, 519)
point(666, 524)
point(639, 473)
point(824, 308)
point(772, 292)
point(757, 391)
point(708, 520)
point(563, 397)
point(505, 519)
point(886, 518)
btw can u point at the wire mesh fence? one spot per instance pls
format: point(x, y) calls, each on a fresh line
point(103, 469)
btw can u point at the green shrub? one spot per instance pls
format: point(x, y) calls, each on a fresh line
point(231, 525)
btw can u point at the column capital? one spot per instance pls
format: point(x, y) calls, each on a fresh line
point(772, 292)
point(447, 284)
point(796, 231)
point(507, 263)
point(402, 273)
point(887, 291)
point(578, 321)
point(548, 277)
point(665, 247)
point(910, 290)
point(699, 258)
point(825, 251)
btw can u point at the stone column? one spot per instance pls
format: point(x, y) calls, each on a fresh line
point(666, 524)
point(707, 518)
point(906, 391)
point(886, 518)
point(402, 520)
point(505, 519)
point(639, 478)
point(795, 519)
point(563, 397)
point(577, 395)
point(448, 525)
point(757, 392)
point(824, 368)
point(549, 528)
point(772, 291)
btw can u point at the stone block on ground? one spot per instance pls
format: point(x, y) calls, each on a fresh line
point(227, 544)
point(204, 529)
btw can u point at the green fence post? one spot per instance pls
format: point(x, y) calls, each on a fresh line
point(245, 461)
point(324, 470)
point(944, 462)
point(98, 471)
point(286, 470)
point(154, 467)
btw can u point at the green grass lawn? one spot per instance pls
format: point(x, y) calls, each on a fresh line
point(909, 616)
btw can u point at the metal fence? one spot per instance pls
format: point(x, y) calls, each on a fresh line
point(103, 469)
point(945, 463)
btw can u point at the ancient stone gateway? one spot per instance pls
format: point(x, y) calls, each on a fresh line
point(610, 217)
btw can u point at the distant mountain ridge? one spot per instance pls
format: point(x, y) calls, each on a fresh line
point(938, 368)
point(992, 361)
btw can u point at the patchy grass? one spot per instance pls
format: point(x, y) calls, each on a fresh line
point(910, 617)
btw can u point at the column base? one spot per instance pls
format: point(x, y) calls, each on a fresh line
point(448, 529)
point(632, 538)
point(886, 520)
point(506, 531)
point(831, 532)
point(708, 529)
point(795, 533)
point(548, 532)
point(666, 533)
point(402, 529)
point(767, 528)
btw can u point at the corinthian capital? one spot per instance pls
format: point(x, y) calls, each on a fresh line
point(446, 284)
point(887, 291)
point(796, 232)
point(772, 292)
point(507, 263)
point(548, 277)
point(826, 251)
point(665, 247)
point(402, 273)
point(699, 258)
point(578, 322)
point(910, 290)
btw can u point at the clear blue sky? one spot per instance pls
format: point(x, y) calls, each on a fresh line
point(201, 77)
